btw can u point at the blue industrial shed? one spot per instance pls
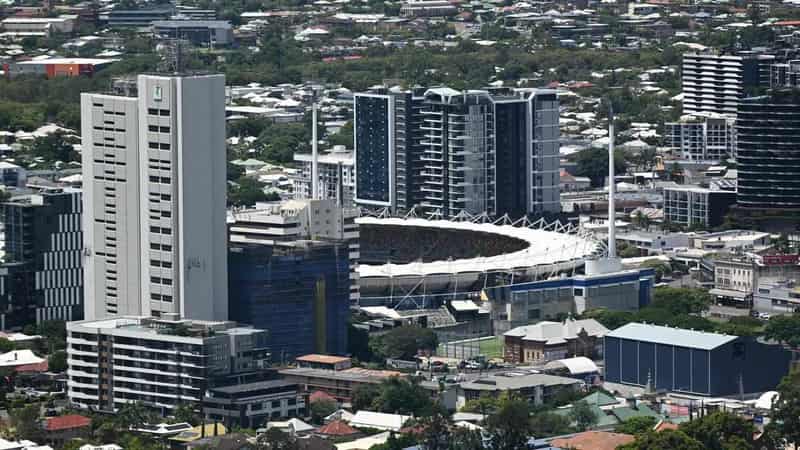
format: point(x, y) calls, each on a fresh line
point(693, 362)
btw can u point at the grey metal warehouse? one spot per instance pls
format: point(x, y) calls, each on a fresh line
point(693, 362)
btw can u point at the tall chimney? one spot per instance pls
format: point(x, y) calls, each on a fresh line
point(314, 153)
point(612, 213)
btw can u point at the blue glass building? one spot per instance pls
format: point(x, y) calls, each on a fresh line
point(299, 291)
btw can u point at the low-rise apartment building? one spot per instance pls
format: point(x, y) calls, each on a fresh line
point(696, 206)
point(160, 363)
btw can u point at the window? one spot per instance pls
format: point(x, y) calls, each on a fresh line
point(156, 297)
point(166, 197)
point(166, 264)
point(155, 280)
point(163, 112)
point(578, 292)
point(153, 128)
point(153, 145)
point(157, 93)
point(152, 111)
point(163, 146)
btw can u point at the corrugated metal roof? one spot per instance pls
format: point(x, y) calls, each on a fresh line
point(680, 337)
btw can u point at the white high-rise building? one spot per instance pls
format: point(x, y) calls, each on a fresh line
point(154, 199)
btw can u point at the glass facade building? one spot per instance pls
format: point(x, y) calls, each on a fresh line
point(42, 278)
point(374, 139)
point(298, 291)
point(768, 154)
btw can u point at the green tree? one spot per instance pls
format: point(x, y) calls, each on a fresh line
point(363, 396)
point(721, 431)
point(275, 439)
point(54, 333)
point(26, 422)
point(57, 362)
point(509, 427)
point(6, 345)
point(465, 439)
point(234, 172)
point(405, 342)
point(664, 440)
point(246, 192)
point(321, 409)
point(436, 434)
point(133, 415)
point(784, 329)
point(400, 396)
point(610, 319)
point(636, 425)
point(583, 415)
point(548, 423)
point(593, 163)
point(485, 404)
point(681, 300)
point(186, 413)
point(54, 147)
point(786, 409)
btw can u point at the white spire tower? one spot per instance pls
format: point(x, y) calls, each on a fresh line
point(612, 212)
point(314, 153)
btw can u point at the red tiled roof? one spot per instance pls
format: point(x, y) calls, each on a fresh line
point(337, 428)
point(320, 395)
point(594, 440)
point(38, 367)
point(67, 422)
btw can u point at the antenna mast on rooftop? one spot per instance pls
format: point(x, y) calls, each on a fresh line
point(173, 56)
point(612, 212)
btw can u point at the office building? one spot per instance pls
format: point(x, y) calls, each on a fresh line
point(42, 275)
point(692, 362)
point(198, 32)
point(300, 220)
point(444, 151)
point(777, 296)
point(522, 303)
point(336, 176)
point(154, 199)
point(768, 130)
point(696, 206)
point(159, 363)
point(299, 291)
point(717, 82)
point(252, 405)
point(702, 137)
point(737, 275)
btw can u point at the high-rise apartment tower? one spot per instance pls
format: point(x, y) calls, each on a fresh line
point(154, 199)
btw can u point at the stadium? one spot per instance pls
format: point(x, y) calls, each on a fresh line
point(416, 263)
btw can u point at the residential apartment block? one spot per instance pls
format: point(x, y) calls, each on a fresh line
point(42, 275)
point(702, 137)
point(160, 363)
point(696, 206)
point(336, 176)
point(445, 152)
point(154, 199)
point(717, 82)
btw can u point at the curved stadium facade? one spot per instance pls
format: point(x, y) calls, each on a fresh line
point(426, 260)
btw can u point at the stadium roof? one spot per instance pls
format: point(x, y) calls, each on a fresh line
point(546, 248)
point(679, 337)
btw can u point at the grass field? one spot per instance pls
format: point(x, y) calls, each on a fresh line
point(492, 348)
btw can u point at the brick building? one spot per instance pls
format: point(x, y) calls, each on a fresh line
point(548, 341)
